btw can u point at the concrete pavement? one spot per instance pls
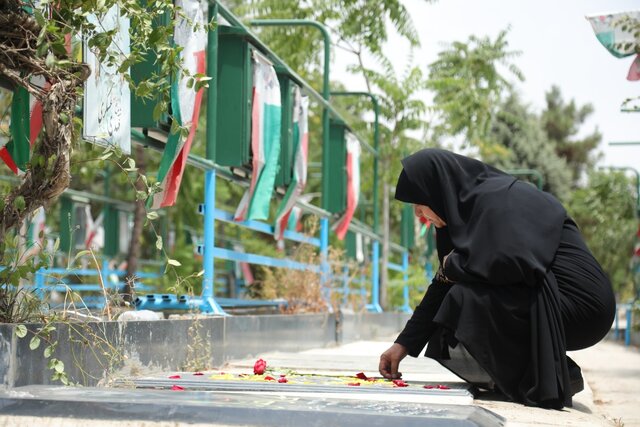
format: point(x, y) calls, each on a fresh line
point(610, 398)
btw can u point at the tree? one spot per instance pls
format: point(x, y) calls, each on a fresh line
point(468, 85)
point(561, 122)
point(605, 212)
point(519, 130)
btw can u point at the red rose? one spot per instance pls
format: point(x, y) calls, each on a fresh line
point(177, 388)
point(283, 380)
point(400, 383)
point(259, 367)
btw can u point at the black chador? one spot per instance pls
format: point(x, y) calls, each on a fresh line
point(519, 286)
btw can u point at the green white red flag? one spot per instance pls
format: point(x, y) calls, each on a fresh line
point(300, 150)
point(353, 185)
point(26, 124)
point(266, 120)
point(185, 101)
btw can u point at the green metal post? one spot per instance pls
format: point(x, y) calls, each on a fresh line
point(325, 88)
point(376, 147)
point(534, 172)
point(624, 143)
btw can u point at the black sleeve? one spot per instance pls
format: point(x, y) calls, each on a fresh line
point(420, 326)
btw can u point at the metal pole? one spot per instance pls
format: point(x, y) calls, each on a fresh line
point(325, 88)
point(208, 303)
point(375, 279)
point(534, 172)
point(405, 277)
point(376, 147)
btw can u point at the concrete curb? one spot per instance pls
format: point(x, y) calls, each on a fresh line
point(93, 352)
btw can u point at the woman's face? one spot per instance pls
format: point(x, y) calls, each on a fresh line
point(423, 211)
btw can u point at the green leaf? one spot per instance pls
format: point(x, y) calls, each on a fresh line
point(159, 243)
point(152, 215)
point(174, 262)
point(59, 366)
point(34, 343)
point(21, 331)
point(81, 254)
point(48, 351)
point(50, 60)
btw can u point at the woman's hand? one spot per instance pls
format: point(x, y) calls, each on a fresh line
point(390, 360)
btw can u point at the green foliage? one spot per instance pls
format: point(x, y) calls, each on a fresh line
point(519, 130)
point(468, 82)
point(605, 212)
point(561, 122)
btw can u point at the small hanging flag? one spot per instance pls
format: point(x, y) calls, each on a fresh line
point(185, 101)
point(353, 185)
point(265, 141)
point(26, 124)
point(300, 149)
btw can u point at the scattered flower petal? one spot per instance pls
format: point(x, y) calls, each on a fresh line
point(259, 367)
point(443, 387)
point(243, 375)
point(269, 378)
point(400, 383)
point(428, 387)
point(283, 380)
point(174, 377)
point(177, 388)
point(200, 373)
point(353, 384)
point(362, 376)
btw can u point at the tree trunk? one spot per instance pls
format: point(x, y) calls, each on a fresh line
point(139, 217)
point(384, 276)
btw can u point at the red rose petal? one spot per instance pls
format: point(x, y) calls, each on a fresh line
point(443, 387)
point(177, 388)
point(283, 375)
point(362, 376)
point(198, 373)
point(283, 380)
point(400, 383)
point(174, 377)
point(354, 384)
point(269, 378)
point(428, 387)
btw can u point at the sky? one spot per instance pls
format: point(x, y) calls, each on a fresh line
point(557, 45)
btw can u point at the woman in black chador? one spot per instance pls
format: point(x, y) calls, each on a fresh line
point(517, 286)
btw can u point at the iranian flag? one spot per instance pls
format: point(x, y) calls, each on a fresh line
point(300, 150)
point(185, 101)
point(266, 117)
point(353, 185)
point(26, 124)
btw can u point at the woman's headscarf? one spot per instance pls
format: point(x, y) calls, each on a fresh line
point(503, 231)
